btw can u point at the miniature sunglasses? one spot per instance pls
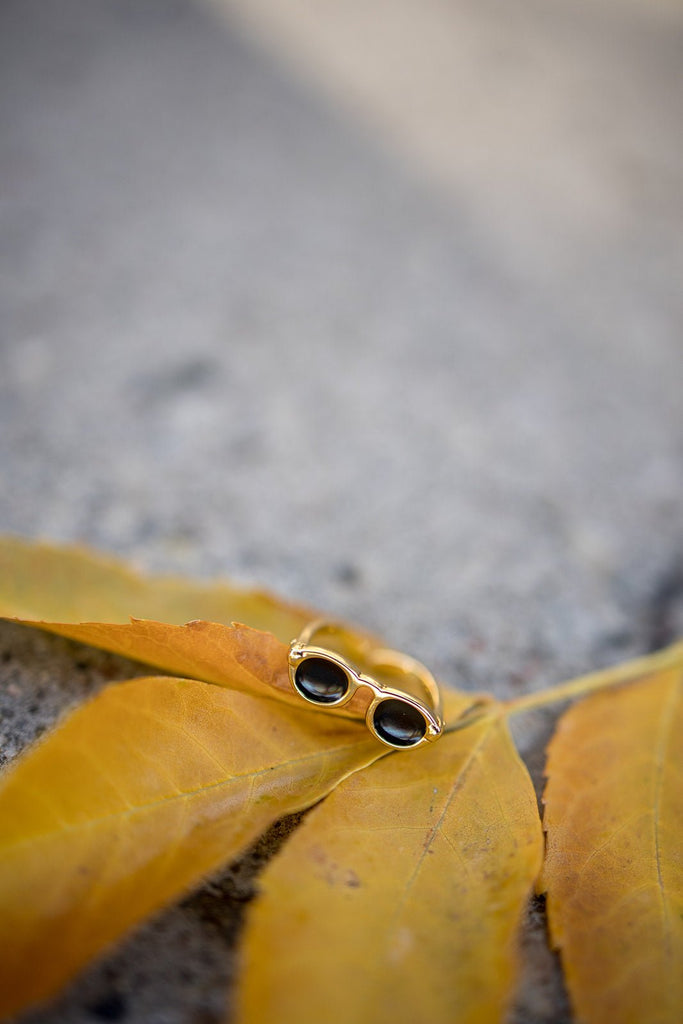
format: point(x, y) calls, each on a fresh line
point(325, 678)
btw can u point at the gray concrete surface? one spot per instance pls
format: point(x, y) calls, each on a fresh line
point(239, 336)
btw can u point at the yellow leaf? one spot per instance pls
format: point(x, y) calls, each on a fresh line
point(614, 868)
point(69, 584)
point(399, 898)
point(236, 656)
point(134, 798)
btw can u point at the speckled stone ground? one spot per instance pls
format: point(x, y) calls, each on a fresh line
point(238, 337)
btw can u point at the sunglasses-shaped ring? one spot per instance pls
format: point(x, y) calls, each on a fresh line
point(325, 678)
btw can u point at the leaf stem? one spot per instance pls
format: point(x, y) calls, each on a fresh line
point(607, 677)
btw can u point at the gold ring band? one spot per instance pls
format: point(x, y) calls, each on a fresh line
point(325, 678)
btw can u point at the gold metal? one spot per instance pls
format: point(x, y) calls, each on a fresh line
point(304, 648)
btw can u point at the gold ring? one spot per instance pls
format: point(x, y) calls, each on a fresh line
point(325, 678)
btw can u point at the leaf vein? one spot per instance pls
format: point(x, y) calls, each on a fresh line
point(663, 739)
point(437, 827)
point(132, 810)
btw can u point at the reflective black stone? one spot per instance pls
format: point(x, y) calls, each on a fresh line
point(399, 723)
point(321, 680)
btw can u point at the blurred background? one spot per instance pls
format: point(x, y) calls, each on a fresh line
point(378, 305)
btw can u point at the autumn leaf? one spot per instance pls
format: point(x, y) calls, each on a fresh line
point(399, 898)
point(61, 590)
point(42, 582)
point(237, 656)
point(614, 868)
point(132, 800)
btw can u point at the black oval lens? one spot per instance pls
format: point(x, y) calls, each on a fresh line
point(399, 723)
point(321, 681)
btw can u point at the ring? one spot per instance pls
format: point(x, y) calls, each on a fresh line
point(325, 678)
